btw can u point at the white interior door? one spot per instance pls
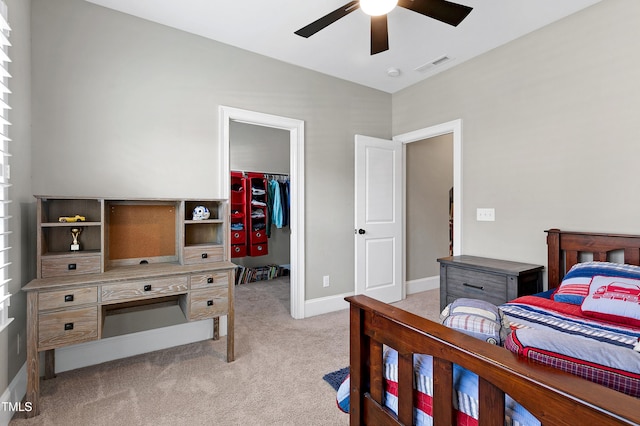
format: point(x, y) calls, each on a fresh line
point(378, 218)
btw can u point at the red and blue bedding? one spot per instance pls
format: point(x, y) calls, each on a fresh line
point(544, 330)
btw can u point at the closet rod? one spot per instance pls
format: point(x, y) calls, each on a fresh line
point(259, 172)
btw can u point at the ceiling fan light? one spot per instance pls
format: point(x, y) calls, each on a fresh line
point(377, 7)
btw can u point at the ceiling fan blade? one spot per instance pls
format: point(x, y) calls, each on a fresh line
point(442, 10)
point(328, 19)
point(379, 34)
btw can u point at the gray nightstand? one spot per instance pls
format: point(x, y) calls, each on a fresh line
point(494, 280)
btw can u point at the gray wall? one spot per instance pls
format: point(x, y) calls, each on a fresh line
point(22, 209)
point(128, 108)
point(258, 148)
point(123, 107)
point(550, 131)
point(429, 176)
point(262, 149)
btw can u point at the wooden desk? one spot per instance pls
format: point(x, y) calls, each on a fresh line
point(63, 311)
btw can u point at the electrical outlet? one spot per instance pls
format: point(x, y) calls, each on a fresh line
point(325, 281)
point(486, 215)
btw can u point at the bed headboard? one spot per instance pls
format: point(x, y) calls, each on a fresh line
point(565, 247)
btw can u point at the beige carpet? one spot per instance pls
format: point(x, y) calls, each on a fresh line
point(276, 378)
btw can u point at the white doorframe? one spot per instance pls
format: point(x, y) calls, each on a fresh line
point(296, 190)
point(454, 127)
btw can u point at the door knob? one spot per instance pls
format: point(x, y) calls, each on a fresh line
point(361, 231)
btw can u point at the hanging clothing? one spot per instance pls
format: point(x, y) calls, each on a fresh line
point(284, 201)
point(276, 203)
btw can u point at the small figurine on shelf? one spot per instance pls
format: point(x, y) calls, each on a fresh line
point(76, 218)
point(201, 213)
point(75, 234)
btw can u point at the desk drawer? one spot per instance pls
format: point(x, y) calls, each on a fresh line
point(61, 328)
point(144, 289)
point(70, 265)
point(209, 303)
point(476, 284)
point(214, 279)
point(203, 254)
point(66, 298)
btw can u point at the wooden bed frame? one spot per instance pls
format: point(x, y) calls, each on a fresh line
point(554, 397)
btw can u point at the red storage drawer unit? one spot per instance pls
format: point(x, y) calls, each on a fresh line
point(238, 237)
point(239, 217)
point(258, 249)
point(258, 237)
point(238, 250)
point(257, 214)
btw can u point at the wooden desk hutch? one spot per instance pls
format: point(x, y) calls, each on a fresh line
point(133, 254)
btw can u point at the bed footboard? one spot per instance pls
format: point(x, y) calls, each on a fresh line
point(554, 397)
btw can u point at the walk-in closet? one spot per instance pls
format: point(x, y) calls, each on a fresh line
point(259, 160)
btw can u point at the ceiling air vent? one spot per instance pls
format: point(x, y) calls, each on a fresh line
point(438, 61)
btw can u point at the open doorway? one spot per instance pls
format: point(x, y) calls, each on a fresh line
point(428, 209)
point(454, 129)
point(295, 129)
point(259, 160)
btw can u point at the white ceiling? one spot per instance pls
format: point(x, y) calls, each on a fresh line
point(342, 49)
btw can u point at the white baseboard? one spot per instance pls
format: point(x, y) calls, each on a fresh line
point(422, 284)
point(13, 395)
point(324, 305)
point(112, 348)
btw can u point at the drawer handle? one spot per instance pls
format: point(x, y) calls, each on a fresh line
point(209, 302)
point(147, 287)
point(204, 255)
point(236, 235)
point(479, 287)
point(68, 298)
point(71, 267)
point(258, 234)
point(68, 326)
point(237, 249)
point(210, 280)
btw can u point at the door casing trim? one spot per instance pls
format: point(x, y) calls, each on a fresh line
point(295, 128)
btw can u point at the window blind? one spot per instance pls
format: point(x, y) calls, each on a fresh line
point(5, 231)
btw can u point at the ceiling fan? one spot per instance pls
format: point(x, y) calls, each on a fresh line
point(442, 10)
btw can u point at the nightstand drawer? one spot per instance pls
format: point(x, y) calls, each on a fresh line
point(209, 303)
point(144, 289)
point(66, 298)
point(67, 327)
point(467, 283)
